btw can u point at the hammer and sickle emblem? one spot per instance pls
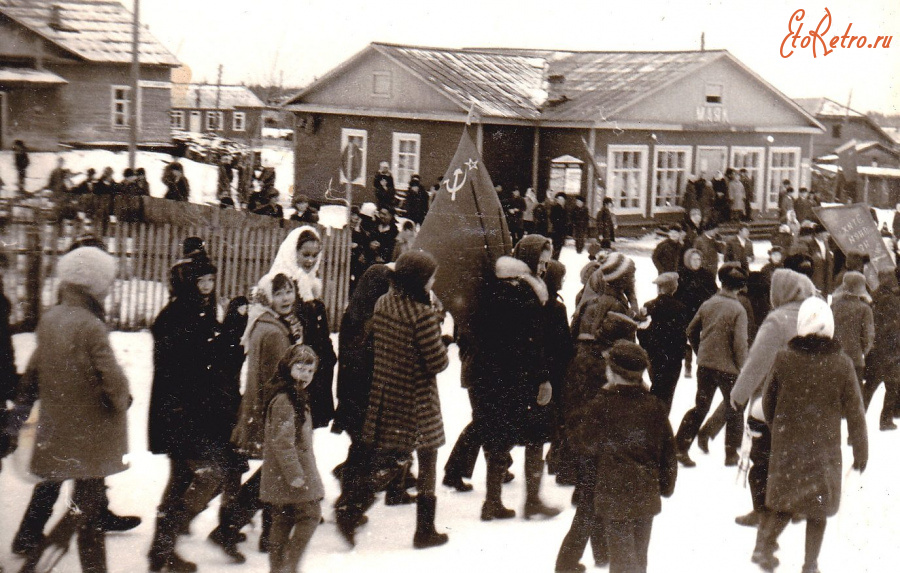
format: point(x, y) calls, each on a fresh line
point(459, 178)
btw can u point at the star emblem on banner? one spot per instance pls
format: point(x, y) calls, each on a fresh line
point(472, 164)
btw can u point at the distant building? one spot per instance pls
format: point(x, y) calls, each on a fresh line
point(843, 125)
point(234, 112)
point(628, 125)
point(65, 75)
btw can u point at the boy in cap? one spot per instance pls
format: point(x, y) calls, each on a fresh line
point(718, 334)
point(627, 435)
point(664, 338)
point(668, 253)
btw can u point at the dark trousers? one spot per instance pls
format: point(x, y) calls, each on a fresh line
point(708, 380)
point(464, 455)
point(580, 236)
point(774, 522)
point(82, 519)
point(716, 421)
point(629, 541)
point(585, 525)
point(760, 450)
point(559, 241)
point(40, 508)
point(292, 528)
point(688, 357)
point(891, 377)
point(21, 173)
point(663, 378)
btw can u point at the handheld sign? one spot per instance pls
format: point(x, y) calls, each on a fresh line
point(853, 230)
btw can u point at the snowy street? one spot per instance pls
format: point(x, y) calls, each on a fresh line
point(694, 533)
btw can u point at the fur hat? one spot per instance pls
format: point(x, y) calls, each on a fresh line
point(800, 262)
point(615, 266)
point(628, 360)
point(616, 326)
point(732, 276)
point(588, 270)
point(89, 268)
point(855, 283)
point(815, 318)
point(412, 271)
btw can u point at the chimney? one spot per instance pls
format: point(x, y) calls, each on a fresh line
point(702, 41)
point(556, 90)
point(56, 17)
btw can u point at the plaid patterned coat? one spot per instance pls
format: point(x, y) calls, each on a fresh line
point(404, 412)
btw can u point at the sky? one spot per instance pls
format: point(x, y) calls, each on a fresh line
point(263, 41)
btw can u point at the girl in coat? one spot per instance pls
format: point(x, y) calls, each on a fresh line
point(73, 357)
point(404, 411)
point(299, 258)
point(813, 387)
point(291, 484)
point(695, 285)
point(193, 409)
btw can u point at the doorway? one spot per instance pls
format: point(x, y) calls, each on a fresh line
point(751, 159)
point(195, 122)
point(711, 160)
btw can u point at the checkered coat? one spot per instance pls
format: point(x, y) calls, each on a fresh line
point(404, 412)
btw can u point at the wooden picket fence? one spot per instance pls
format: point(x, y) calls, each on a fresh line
point(33, 241)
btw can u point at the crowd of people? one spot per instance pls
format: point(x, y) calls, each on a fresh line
point(766, 340)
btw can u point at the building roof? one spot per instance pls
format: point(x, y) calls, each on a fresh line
point(861, 146)
point(824, 107)
point(29, 76)
point(553, 85)
point(94, 30)
point(203, 96)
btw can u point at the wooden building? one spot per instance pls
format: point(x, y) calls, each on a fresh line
point(65, 75)
point(843, 125)
point(234, 112)
point(635, 124)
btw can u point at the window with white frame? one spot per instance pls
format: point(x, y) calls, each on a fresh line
point(176, 119)
point(214, 121)
point(353, 155)
point(670, 173)
point(784, 163)
point(626, 175)
point(239, 121)
point(751, 159)
point(405, 158)
point(121, 106)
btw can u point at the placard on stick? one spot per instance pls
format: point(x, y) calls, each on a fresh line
point(853, 230)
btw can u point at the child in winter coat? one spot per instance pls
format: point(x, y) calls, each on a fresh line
point(664, 338)
point(291, 484)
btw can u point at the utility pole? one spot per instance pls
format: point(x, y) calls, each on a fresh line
point(219, 118)
point(135, 84)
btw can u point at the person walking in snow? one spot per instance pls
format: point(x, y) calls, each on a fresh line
point(560, 349)
point(290, 482)
point(669, 253)
point(695, 286)
point(854, 324)
point(883, 361)
point(813, 387)
point(788, 291)
point(73, 357)
point(22, 161)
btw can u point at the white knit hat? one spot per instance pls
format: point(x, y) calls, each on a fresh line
point(90, 268)
point(815, 318)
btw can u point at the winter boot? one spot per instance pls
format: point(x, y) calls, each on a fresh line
point(227, 537)
point(534, 471)
point(396, 490)
point(493, 505)
point(764, 552)
point(112, 522)
point(426, 536)
point(162, 555)
point(752, 519)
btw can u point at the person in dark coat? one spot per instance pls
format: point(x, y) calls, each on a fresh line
point(510, 372)
point(669, 253)
point(739, 249)
point(854, 324)
point(303, 211)
point(581, 220)
point(416, 200)
point(541, 214)
point(813, 388)
point(606, 224)
point(177, 186)
point(9, 378)
point(193, 408)
point(383, 185)
point(627, 434)
point(693, 227)
point(664, 339)
point(709, 246)
point(817, 245)
point(784, 239)
point(515, 210)
point(883, 361)
point(559, 223)
point(560, 350)
point(385, 235)
point(695, 285)
point(73, 357)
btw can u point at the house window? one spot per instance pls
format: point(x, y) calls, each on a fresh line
point(714, 93)
point(214, 121)
point(381, 84)
point(836, 131)
point(627, 176)
point(177, 119)
point(784, 163)
point(121, 105)
point(405, 158)
point(353, 155)
point(751, 159)
point(239, 121)
point(670, 173)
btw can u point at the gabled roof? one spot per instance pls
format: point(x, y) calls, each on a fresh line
point(94, 30)
point(824, 107)
point(861, 146)
point(553, 85)
point(203, 96)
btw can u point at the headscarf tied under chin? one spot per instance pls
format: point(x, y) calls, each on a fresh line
point(309, 286)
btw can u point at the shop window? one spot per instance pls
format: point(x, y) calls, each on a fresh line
point(627, 176)
point(714, 93)
point(176, 119)
point(784, 163)
point(353, 156)
point(670, 173)
point(405, 158)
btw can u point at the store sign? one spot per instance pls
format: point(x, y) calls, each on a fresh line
point(712, 114)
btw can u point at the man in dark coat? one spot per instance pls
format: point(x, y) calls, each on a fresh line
point(515, 210)
point(416, 200)
point(606, 224)
point(739, 249)
point(822, 257)
point(559, 223)
point(627, 433)
point(668, 254)
point(709, 246)
point(581, 220)
point(665, 339)
point(22, 162)
point(695, 285)
point(383, 185)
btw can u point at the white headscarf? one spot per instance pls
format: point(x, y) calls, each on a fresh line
point(815, 317)
point(309, 286)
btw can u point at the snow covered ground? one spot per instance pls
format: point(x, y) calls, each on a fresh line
point(694, 533)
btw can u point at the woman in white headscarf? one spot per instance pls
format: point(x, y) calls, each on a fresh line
point(299, 258)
